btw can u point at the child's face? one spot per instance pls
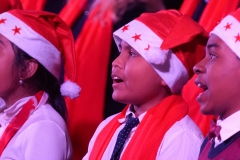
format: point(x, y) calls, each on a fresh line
point(9, 77)
point(134, 80)
point(219, 75)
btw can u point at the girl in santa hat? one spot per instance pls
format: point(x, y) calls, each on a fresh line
point(5, 6)
point(32, 121)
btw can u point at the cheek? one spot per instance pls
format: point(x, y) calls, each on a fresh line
point(136, 76)
point(143, 80)
point(7, 71)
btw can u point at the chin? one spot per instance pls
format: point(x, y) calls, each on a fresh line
point(117, 97)
point(120, 99)
point(206, 110)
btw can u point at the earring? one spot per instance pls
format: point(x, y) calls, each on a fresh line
point(21, 81)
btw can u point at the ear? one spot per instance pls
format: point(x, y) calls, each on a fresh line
point(164, 84)
point(31, 68)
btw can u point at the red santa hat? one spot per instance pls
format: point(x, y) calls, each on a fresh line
point(170, 42)
point(229, 31)
point(46, 38)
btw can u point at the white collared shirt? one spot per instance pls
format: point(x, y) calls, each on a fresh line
point(181, 141)
point(230, 126)
point(42, 137)
point(7, 114)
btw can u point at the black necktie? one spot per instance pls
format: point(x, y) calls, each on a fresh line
point(122, 136)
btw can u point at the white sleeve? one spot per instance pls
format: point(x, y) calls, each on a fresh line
point(180, 144)
point(93, 139)
point(45, 141)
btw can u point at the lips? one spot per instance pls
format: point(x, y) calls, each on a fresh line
point(116, 79)
point(203, 96)
point(200, 85)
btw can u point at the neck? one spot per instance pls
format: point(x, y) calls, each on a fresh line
point(140, 109)
point(19, 93)
point(228, 108)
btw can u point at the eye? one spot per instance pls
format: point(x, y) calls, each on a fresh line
point(132, 54)
point(212, 56)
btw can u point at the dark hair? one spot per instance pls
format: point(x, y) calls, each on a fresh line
point(43, 80)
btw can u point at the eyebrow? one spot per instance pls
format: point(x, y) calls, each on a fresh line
point(212, 45)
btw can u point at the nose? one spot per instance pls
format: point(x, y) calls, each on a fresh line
point(199, 67)
point(117, 62)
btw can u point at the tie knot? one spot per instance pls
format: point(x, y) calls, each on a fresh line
point(131, 122)
point(214, 130)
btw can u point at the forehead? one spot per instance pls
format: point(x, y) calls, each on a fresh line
point(214, 39)
point(4, 41)
point(216, 43)
point(124, 44)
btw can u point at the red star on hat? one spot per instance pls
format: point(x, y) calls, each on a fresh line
point(125, 28)
point(228, 26)
point(147, 47)
point(16, 30)
point(136, 37)
point(2, 20)
point(237, 38)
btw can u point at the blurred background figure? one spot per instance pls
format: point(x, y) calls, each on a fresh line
point(10, 4)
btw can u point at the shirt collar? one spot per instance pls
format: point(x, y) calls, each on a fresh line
point(230, 126)
point(7, 114)
point(129, 111)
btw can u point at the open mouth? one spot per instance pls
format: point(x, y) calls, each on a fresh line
point(117, 79)
point(204, 87)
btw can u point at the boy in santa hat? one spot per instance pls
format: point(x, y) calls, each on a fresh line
point(158, 51)
point(218, 75)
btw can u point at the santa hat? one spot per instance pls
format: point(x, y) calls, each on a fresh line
point(46, 38)
point(229, 31)
point(170, 42)
point(10, 4)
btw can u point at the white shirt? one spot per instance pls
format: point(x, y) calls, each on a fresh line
point(42, 137)
point(181, 142)
point(230, 126)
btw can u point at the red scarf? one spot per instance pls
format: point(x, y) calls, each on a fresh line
point(18, 121)
point(150, 132)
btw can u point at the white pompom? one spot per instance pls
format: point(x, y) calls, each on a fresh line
point(70, 89)
point(157, 56)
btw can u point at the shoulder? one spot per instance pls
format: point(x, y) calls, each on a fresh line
point(94, 137)
point(103, 124)
point(183, 140)
point(185, 126)
point(42, 139)
point(45, 123)
point(45, 114)
point(47, 131)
